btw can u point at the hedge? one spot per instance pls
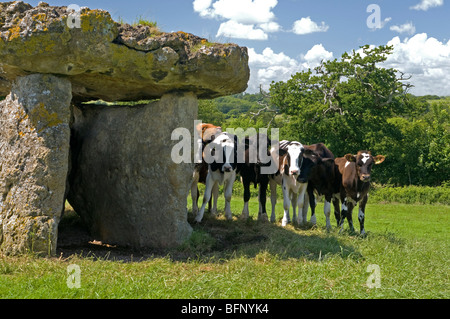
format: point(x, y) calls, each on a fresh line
point(377, 194)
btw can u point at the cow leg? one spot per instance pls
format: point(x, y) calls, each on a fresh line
point(207, 196)
point(262, 195)
point(228, 191)
point(306, 204)
point(347, 206)
point(302, 214)
point(327, 211)
point(310, 201)
point(194, 193)
point(343, 213)
point(337, 212)
point(361, 214)
point(245, 213)
point(273, 199)
point(294, 201)
point(286, 205)
point(214, 198)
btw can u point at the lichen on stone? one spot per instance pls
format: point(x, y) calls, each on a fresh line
point(114, 61)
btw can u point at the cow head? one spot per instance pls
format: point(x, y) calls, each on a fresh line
point(310, 160)
point(208, 132)
point(224, 152)
point(297, 161)
point(364, 162)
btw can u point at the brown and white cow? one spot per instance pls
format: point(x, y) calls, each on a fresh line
point(207, 133)
point(324, 179)
point(355, 171)
point(295, 163)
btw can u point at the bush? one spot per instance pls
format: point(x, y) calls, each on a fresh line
point(411, 194)
point(377, 194)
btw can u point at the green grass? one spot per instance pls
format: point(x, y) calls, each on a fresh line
point(251, 259)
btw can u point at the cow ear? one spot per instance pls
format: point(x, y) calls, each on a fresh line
point(350, 157)
point(379, 159)
point(309, 152)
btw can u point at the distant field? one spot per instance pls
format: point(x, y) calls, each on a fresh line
point(248, 259)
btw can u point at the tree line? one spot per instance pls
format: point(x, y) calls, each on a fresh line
point(351, 104)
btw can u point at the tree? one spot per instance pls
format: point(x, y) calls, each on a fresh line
point(345, 103)
point(208, 112)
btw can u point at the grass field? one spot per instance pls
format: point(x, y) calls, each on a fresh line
point(249, 259)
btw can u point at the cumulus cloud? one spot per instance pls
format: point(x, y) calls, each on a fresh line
point(306, 26)
point(426, 59)
point(233, 29)
point(255, 17)
point(269, 66)
point(407, 28)
point(315, 56)
point(424, 5)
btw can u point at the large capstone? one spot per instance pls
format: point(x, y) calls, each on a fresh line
point(34, 153)
point(111, 61)
point(124, 182)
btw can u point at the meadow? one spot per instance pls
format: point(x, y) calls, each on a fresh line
point(244, 259)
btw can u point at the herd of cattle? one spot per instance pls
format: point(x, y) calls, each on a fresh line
point(301, 170)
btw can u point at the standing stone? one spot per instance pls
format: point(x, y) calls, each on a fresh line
point(123, 181)
point(34, 152)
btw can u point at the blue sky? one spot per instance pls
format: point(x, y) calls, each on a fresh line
point(287, 36)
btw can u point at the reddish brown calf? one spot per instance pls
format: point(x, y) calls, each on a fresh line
point(355, 171)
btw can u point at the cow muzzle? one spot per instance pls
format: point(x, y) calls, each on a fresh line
point(227, 168)
point(365, 177)
point(294, 173)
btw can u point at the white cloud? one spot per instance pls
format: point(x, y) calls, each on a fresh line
point(270, 27)
point(269, 66)
point(202, 7)
point(314, 57)
point(407, 28)
point(426, 59)
point(254, 17)
point(233, 29)
point(246, 11)
point(384, 22)
point(424, 5)
point(306, 26)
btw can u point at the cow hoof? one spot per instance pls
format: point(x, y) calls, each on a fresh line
point(263, 218)
point(244, 216)
point(284, 223)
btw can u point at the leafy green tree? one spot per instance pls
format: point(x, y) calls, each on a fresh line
point(344, 103)
point(208, 112)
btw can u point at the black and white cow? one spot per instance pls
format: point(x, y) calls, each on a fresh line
point(221, 155)
point(355, 184)
point(256, 159)
point(294, 166)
